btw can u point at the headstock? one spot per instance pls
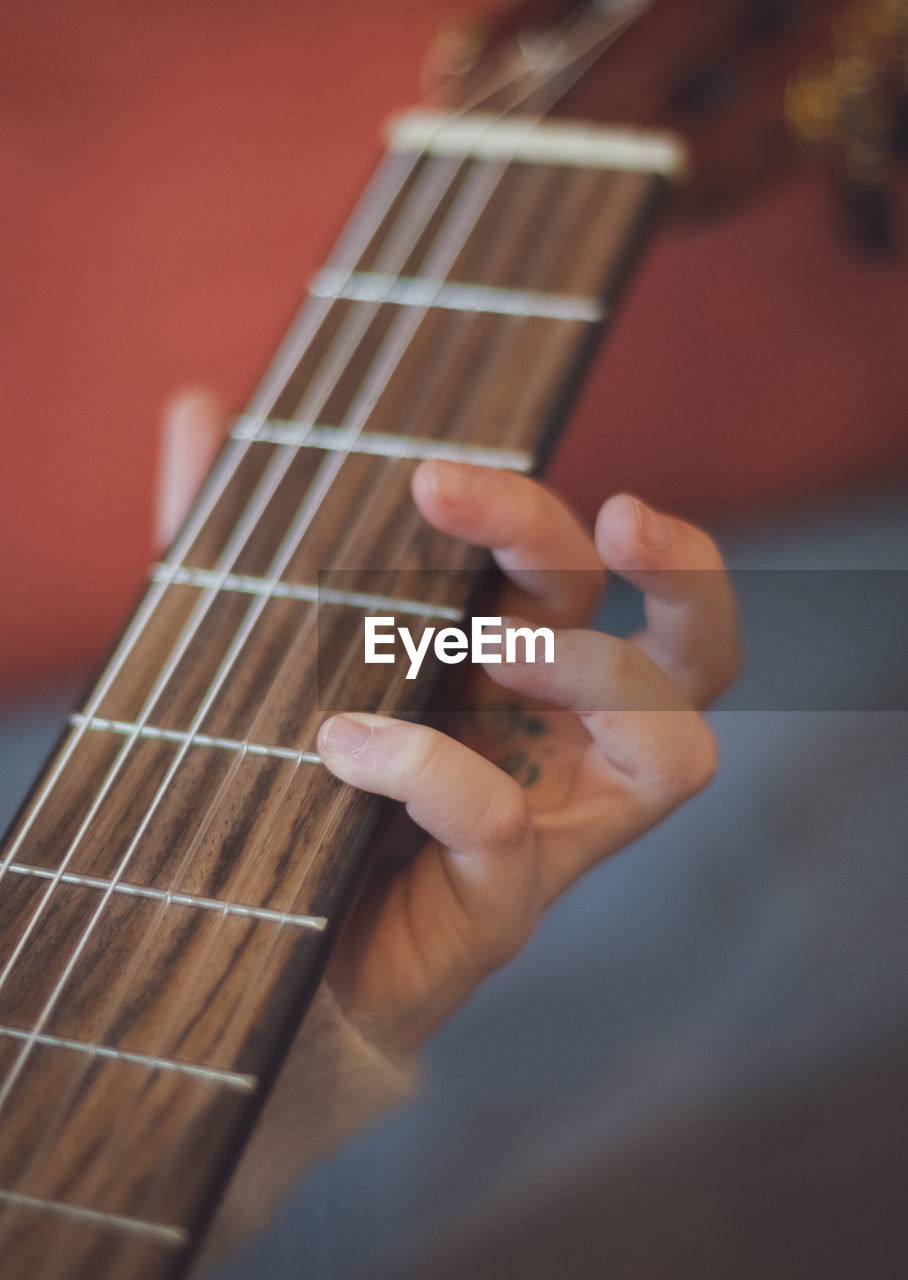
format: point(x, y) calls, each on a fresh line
point(747, 82)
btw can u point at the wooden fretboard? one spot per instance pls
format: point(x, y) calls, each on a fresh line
point(167, 891)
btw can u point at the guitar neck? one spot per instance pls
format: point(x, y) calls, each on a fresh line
point(169, 891)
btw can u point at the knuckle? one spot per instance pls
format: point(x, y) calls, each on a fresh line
point(620, 661)
point(615, 657)
point(502, 925)
point(707, 553)
point(520, 501)
point(701, 758)
point(726, 672)
point(506, 822)
point(428, 746)
point(688, 761)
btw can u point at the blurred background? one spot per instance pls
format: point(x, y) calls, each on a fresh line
point(699, 1066)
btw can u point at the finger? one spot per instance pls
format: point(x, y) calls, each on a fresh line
point(535, 540)
point(191, 432)
point(478, 813)
point(640, 723)
point(692, 626)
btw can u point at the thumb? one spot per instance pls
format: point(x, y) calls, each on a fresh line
point(192, 428)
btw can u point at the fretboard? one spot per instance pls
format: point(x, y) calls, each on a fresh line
point(168, 893)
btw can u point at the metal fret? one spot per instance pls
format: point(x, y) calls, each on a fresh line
point(531, 141)
point(127, 728)
point(229, 1079)
point(415, 291)
point(318, 923)
point(177, 1237)
point(314, 436)
point(183, 576)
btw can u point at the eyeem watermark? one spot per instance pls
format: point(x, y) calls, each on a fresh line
point(452, 644)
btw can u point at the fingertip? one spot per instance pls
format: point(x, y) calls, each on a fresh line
point(348, 734)
point(194, 408)
point(192, 426)
point(449, 484)
point(421, 486)
point(616, 523)
point(627, 527)
point(344, 735)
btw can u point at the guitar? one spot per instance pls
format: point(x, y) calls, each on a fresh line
point(173, 884)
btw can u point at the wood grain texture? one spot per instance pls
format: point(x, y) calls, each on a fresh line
point(160, 905)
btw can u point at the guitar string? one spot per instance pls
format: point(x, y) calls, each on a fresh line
point(331, 814)
point(328, 819)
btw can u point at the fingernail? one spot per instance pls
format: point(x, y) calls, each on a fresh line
point(452, 482)
point(653, 531)
point(513, 623)
point(346, 734)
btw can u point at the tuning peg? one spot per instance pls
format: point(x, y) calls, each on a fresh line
point(846, 101)
point(865, 144)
